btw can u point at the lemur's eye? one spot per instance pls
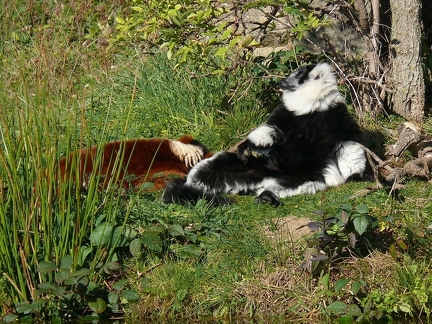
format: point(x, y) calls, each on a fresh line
point(298, 75)
point(317, 77)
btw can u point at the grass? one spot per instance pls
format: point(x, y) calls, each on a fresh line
point(65, 253)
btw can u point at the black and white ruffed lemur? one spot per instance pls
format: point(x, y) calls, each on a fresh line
point(309, 142)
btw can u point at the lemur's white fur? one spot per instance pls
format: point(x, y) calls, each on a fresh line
point(263, 135)
point(351, 159)
point(310, 187)
point(316, 94)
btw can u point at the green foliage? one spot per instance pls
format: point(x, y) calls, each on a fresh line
point(72, 289)
point(338, 232)
point(413, 295)
point(170, 232)
point(348, 290)
point(209, 32)
point(70, 239)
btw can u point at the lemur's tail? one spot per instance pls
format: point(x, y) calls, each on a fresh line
point(177, 192)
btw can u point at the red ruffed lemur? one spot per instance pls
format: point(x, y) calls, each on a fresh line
point(132, 163)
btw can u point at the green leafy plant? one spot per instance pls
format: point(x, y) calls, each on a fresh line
point(209, 32)
point(412, 295)
point(339, 232)
point(69, 238)
point(344, 296)
point(177, 237)
point(71, 289)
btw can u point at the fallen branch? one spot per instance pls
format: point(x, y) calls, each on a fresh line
point(389, 172)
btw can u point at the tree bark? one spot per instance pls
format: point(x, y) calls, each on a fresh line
point(407, 80)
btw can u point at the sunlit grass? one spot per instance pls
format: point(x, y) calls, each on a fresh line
point(42, 220)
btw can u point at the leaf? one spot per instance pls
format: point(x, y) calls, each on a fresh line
point(135, 247)
point(181, 294)
point(158, 175)
point(122, 235)
point(61, 276)
point(84, 251)
point(28, 308)
point(169, 54)
point(101, 234)
point(56, 320)
point(130, 295)
point(119, 285)
point(336, 307)
point(98, 306)
point(113, 297)
point(111, 267)
point(119, 20)
point(340, 284)
point(187, 251)
point(226, 34)
point(176, 230)
point(405, 307)
point(10, 318)
point(392, 251)
point(66, 262)
point(346, 207)
point(362, 209)
point(147, 185)
point(59, 291)
point(360, 224)
point(71, 281)
point(345, 320)
point(46, 267)
point(353, 310)
point(325, 280)
point(246, 41)
point(81, 273)
point(355, 287)
point(221, 52)
point(152, 241)
point(218, 72)
point(47, 285)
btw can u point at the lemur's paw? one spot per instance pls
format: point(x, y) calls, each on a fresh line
point(189, 154)
point(269, 197)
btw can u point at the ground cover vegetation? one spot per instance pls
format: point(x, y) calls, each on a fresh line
point(69, 81)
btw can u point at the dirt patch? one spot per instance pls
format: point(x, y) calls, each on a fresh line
point(287, 229)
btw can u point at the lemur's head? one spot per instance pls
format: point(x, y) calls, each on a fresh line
point(310, 88)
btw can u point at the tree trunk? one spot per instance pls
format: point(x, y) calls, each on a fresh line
point(407, 80)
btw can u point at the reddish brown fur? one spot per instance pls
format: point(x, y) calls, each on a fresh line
point(142, 160)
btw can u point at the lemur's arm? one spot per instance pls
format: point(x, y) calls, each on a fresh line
point(261, 138)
